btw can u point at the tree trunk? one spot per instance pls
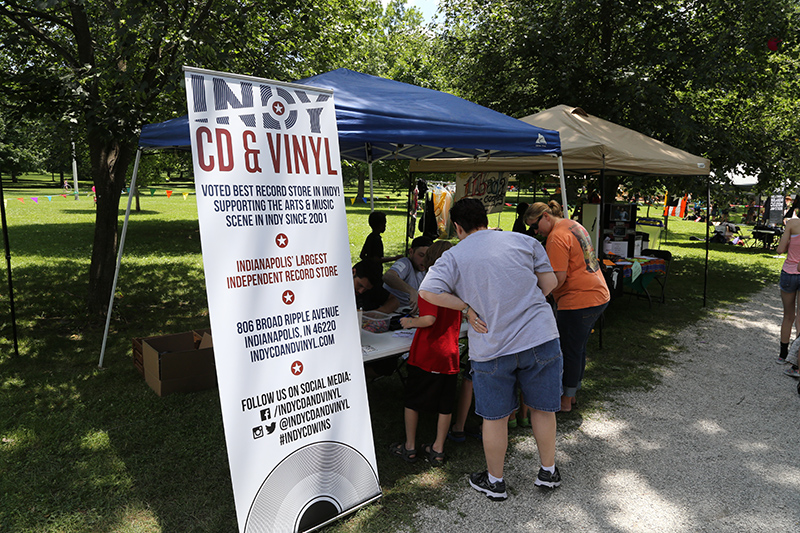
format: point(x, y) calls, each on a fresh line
point(361, 179)
point(110, 161)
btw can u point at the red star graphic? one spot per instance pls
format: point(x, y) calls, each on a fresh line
point(278, 108)
point(288, 297)
point(297, 368)
point(281, 240)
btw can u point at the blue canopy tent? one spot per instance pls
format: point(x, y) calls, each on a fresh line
point(379, 119)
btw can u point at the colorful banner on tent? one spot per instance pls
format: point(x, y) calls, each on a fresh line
point(488, 187)
point(677, 207)
point(281, 300)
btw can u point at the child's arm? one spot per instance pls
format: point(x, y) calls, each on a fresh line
point(417, 322)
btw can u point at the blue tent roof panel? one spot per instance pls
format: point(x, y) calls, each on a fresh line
point(379, 118)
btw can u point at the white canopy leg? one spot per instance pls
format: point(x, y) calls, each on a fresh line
point(131, 193)
point(564, 207)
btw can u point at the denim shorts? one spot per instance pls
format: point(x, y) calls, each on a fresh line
point(789, 282)
point(536, 372)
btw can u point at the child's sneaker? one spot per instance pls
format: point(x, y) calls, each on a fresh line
point(494, 491)
point(781, 361)
point(792, 372)
point(547, 480)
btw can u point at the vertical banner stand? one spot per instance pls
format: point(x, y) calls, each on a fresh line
point(281, 300)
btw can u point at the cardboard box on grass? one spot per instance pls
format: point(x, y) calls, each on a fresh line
point(138, 358)
point(175, 363)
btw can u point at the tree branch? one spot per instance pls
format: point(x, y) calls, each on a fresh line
point(22, 19)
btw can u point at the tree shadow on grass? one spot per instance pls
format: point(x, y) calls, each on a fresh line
point(98, 448)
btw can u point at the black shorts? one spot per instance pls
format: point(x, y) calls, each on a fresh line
point(430, 393)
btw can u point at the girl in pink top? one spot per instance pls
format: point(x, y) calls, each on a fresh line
point(790, 285)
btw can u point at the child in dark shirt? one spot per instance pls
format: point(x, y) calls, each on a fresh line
point(373, 245)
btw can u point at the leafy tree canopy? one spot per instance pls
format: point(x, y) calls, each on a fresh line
point(712, 77)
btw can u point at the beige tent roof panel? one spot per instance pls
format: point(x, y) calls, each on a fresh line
point(589, 144)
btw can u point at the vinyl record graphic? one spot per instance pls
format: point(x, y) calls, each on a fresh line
point(311, 486)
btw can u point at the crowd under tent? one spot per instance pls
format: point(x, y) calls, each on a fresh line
point(379, 119)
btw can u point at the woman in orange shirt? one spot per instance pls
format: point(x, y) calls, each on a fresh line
point(581, 294)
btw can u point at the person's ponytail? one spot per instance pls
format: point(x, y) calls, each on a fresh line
point(555, 209)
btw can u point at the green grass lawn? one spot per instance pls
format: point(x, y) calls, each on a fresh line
point(88, 450)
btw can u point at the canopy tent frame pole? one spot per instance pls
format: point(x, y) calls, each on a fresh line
point(368, 147)
point(8, 268)
point(708, 220)
point(565, 209)
point(371, 195)
point(410, 223)
point(601, 214)
point(131, 193)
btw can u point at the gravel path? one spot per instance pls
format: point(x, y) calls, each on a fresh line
point(714, 447)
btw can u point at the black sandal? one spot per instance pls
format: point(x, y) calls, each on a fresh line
point(435, 458)
point(398, 449)
point(456, 436)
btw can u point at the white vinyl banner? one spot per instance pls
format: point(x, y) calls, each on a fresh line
point(281, 300)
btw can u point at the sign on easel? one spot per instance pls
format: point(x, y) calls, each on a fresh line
point(283, 316)
point(488, 187)
point(776, 209)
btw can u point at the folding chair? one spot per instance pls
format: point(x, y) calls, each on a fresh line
point(662, 280)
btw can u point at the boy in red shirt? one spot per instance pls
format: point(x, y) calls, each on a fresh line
point(433, 365)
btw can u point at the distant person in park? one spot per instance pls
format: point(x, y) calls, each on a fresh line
point(433, 364)
point(789, 285)
point(403, 279)
point(370, 294)
point(373, 244)
point(750, 217)
point(581, 293)
point(500, 280)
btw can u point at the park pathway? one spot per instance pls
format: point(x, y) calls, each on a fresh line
point(715, 447)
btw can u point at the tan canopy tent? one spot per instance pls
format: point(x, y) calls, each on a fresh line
point(589, 145)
